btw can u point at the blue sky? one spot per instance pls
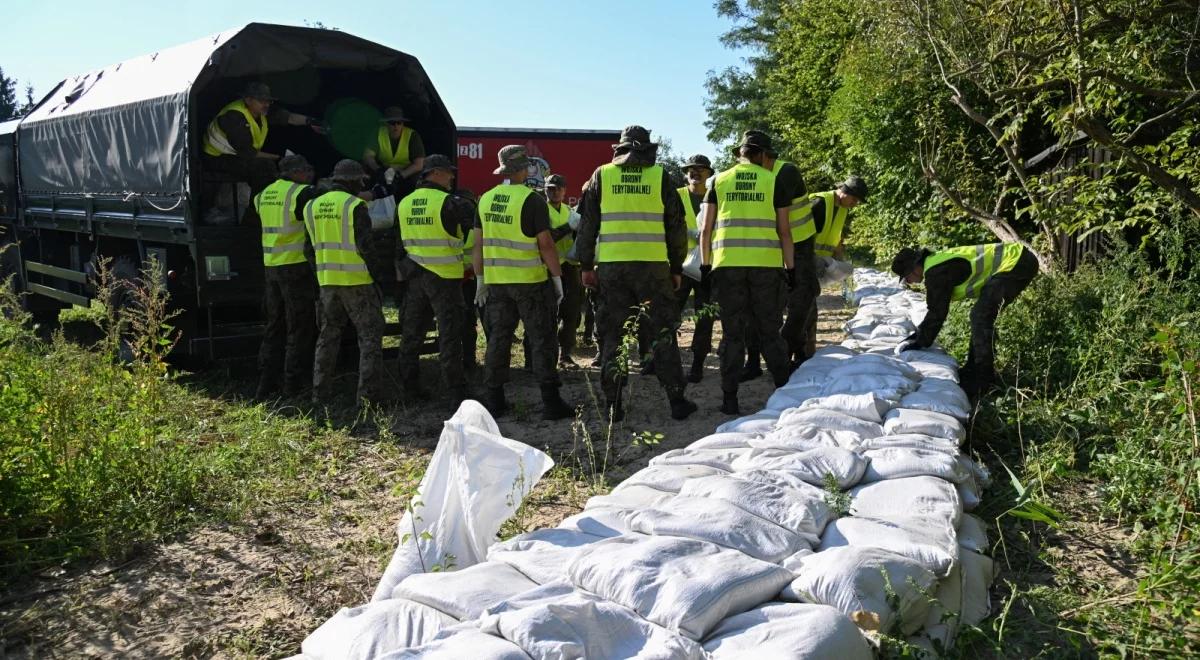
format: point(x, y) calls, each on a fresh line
point(563, 64)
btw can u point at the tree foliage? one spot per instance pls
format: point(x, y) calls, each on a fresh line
point(976, 120)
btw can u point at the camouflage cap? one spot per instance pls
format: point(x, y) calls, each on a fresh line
point(756, 139)
point(698, 160)
point(513, 159)
point(855, 187)
point(635, 137)
point(556, 181)
point(294, 163)
point(437, 162)
point(257, 90)
point(393, 113)
point(348, 169)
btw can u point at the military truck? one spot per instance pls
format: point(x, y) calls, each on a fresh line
point(108, 165)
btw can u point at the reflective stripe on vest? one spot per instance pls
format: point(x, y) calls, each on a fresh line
point(509, 256)
point(799, 211)
point(558, 218)
point(330, 223)
point(216, 143)
point(985, 260)
point(631, 214)
point(399, 158)
point(282, 234)
point(424, 236)
point(746, 232)
point(689, 216)
point(830, 235)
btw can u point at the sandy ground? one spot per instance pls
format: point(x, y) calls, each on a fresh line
point(257, 588)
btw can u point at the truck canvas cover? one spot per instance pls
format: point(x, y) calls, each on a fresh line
point(125, 129)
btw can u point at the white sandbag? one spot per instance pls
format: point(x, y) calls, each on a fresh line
point(907, 420)
point(969, 493)
point(928, 497)
point(790, 397)
point(581, 625)
point(930, 542)
point(900, 462)
point(724, 441)
point(937, 356)
point(978, 572)
point(666, 477)
point(801, 437)
point(759, 422)
point(833, 351)
point(802, 512)
point(810, 466)
point(792, 561)
point(783, 479)
point(852, 579)
point(831, 419)
point(464, 594)
point(788, 631)
point(683, 585)
point(982, 476)
point(475, 481)
point(942, 620)
point(972, 534)
point(867, 407)
point(896, 328)
point(913, 440)
point(720, 522)
point(934, 370)
point(634, 497)
point(935, 401)
point(370, 630)
point(889, 387)
point(874, 365)
point(599, 522)
point(720, 459)
point(543, 554)
point(471, 644)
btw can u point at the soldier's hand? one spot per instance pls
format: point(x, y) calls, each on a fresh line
point(558, 289)
point(705, 274)
point(677, 281)
point(791, 278)
point(589, 278)
point(481, 294)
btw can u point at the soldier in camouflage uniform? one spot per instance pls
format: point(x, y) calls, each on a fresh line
point(513, 252)
point(631, 244)
point(433, 226)
point(339, 248)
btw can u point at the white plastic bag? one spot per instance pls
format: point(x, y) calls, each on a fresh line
point(382, 212)
point(475, 481)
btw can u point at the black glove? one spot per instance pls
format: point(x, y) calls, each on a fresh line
point(705, 274)
point(791, 278)
point(378, 191)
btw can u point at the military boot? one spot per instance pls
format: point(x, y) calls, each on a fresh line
point(696, 374)
point(681, 408)
point(729, 403)
point(494, 402)
point(751, 370)
point(553, 406)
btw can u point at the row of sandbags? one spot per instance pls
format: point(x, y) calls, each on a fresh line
point(837, 513)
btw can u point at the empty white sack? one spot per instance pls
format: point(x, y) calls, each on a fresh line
point(788, 631)
point(681, 584)
point(852, 579)
point(930, 542)
point(465, 593)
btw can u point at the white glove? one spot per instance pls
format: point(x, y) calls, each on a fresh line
point(558, 290)
point(480, 294)
point(389, 175)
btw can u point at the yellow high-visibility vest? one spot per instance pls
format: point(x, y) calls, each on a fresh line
point(397, 159)
point(282, 234)
point(559, 217)
point(835, 220)
point(799, 211)
point(424, 236)
point(509, 256)
point(985, 260)
point(689, 216)
point(631, 214)
point(216, 143)
point(329, 220)
point(746, 232)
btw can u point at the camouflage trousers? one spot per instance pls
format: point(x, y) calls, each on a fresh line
point(532, 305)
point(362, 306)
point(429, 295)
point(290, 310)
point(802, 302)
point(751, 302)
point(643, 290)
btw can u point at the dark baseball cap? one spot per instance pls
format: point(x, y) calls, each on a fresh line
point(257, 90)
point(905, 261)
point(698, 160)
point(349, 169)
point(437, 162)
point(556, 181)
point(393, 113)
point(854, 186)
point(756, 139)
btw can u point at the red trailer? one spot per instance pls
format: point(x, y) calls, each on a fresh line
point(575, 154)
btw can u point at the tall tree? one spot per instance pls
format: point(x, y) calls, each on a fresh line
point(9, 107)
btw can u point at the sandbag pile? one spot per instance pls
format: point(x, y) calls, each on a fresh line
point(837, 513)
